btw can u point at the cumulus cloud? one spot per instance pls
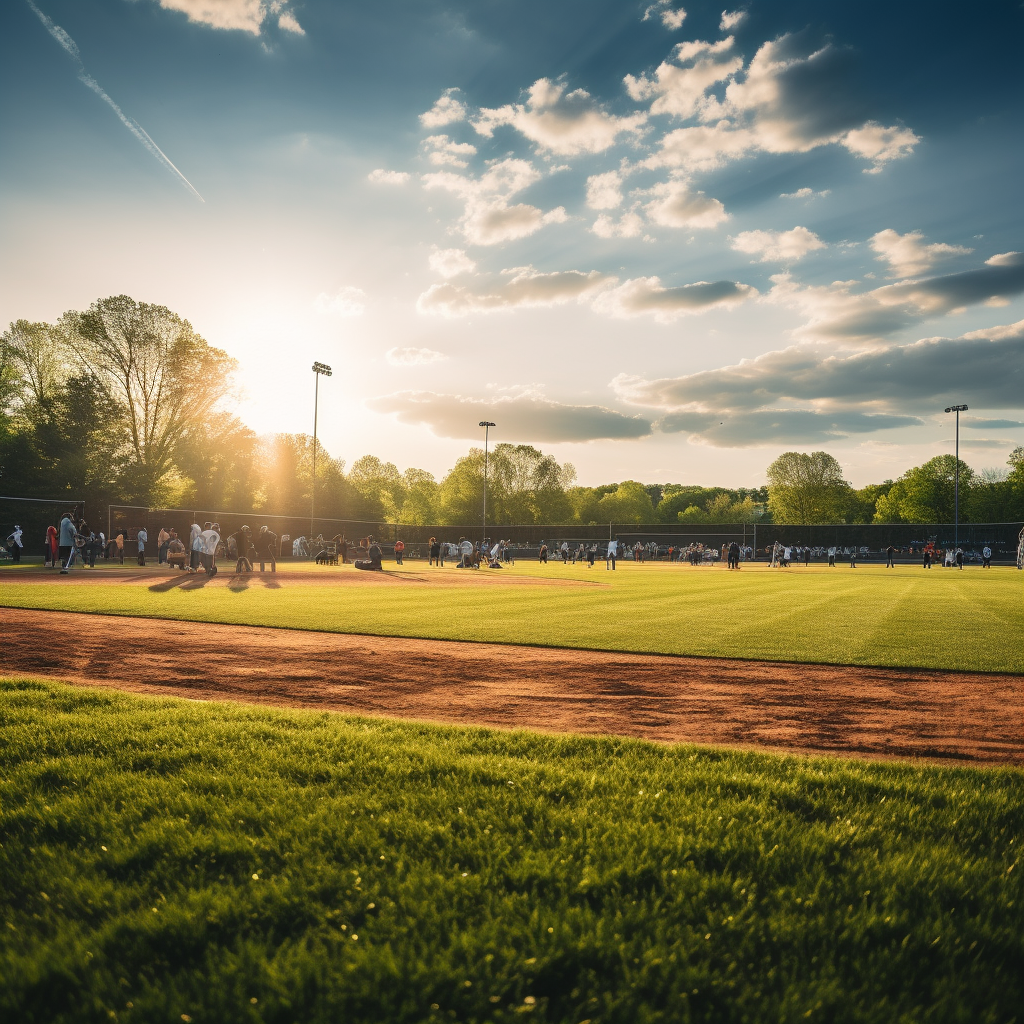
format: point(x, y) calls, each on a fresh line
point(647, 295)
point(450, 262)
point(676, 206)
point(414, 356)
point(629, 225)
point(523, 286)
point(604, 191)
point(446, 110)
point(559, 121)
point(347, 301)
point(489, 218)
point(778, 246)
point(806, 193)
point(671, 19)
point(679, 84)
point(790, 98)
point(1004, 259)
point(380, 176)
point(739, 405)
point(238, 15)
point(731, 20)
point(835, 312)
point(980, 423)
point(522, 417)
point(909, 255)
point(444, 150)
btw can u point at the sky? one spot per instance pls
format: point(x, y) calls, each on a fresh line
point(661, 242)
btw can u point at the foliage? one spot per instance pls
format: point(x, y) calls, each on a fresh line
point(841, 616)
point(170, 861)
point(808, 489)
point(925, 493)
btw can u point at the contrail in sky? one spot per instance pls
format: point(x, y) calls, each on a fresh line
point(85, 78)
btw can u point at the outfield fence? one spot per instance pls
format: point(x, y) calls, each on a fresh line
point(526, 539)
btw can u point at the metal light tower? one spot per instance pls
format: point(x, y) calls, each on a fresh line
point(318, 370)
point(486, 424)
point(956, 477)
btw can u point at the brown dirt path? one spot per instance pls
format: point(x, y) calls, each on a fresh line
point(871, 712)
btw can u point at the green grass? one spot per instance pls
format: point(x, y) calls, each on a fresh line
point(907, 617)
point(168, 861)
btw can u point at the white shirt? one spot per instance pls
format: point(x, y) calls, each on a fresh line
point(142, 537)
point(210, 539)
point(194, 535)
point(17, 536)
point(987, 552)
point(613, 547)
point(466, 547)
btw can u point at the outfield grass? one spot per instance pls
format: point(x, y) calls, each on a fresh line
point(907, 617)
point(170, 861)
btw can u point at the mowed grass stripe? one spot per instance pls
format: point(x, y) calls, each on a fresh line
point(168, 860)
point(906, 617)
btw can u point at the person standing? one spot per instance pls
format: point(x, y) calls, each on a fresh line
point(832, 556)
point(959, 558)
point(433, 552)
point(196, 547)
point(986, 557)
point(51, 547)
point(807, 556)
point(163, 540)
point(266, 548)
point(241, 539)
point(399, 551)
point(889, 552)
point(853, 557)
point(66, 542)
point(542, 555)
point(926, 558)
point(141, 537)
point(611, 554)
point(14, 544)
point(209, 539)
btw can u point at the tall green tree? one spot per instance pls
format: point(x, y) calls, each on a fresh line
point(925, 494)
point(805, 489)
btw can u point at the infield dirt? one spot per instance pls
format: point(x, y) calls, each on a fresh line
point(853, 711)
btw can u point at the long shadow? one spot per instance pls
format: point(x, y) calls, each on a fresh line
point(169, 584)
point(239, 582)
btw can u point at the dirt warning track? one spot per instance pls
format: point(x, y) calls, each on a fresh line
point(873, 712)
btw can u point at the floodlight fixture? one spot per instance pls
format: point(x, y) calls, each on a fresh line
point(319, 370)
point(486, 424)
point(956, 475)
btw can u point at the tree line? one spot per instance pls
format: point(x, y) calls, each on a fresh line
point(125, 403)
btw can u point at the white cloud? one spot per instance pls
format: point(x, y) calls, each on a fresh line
point(737, 406)
point(677, 207)
point(780, 246)
point(446, 151)
point(806, 193)
point(647, 295)
point(382, 177)
point(236, 15)
point(879, 144)
point(347, 301)
point(520, 417)
point(679, 84)
point(908, 255)
point(671, 19)
point(629, 225)
point(791, 98)
point(1004, 259)
point(414, 356)
point(562, 122)
point(604, 191)
point(836, 312)
point(489, 218)
point(731, 20)
point(450, 262)
point(446, 110)
point(290, 23)
point(524, 287)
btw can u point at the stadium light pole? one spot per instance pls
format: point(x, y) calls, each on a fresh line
point(319, 369)
point(956, 476)
point(486, 424)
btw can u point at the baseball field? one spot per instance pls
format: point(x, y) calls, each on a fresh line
point(549, 793)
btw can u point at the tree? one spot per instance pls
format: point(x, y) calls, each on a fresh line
point(925, 494)
point(628, 503)
point(804, 489)
point(38, 356)
point(160, 374)
point(381, 486)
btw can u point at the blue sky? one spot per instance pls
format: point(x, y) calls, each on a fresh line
point(664, 244)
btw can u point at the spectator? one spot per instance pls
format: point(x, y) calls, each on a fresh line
point(176, 555)
point(266, 548)
point(399, 551)
point(241, 539)
point(141, 537)
point(372, 561)
point(66, 541)
point(51, 547)
point(163, 539)
point(14, 544)
point(210, 538)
